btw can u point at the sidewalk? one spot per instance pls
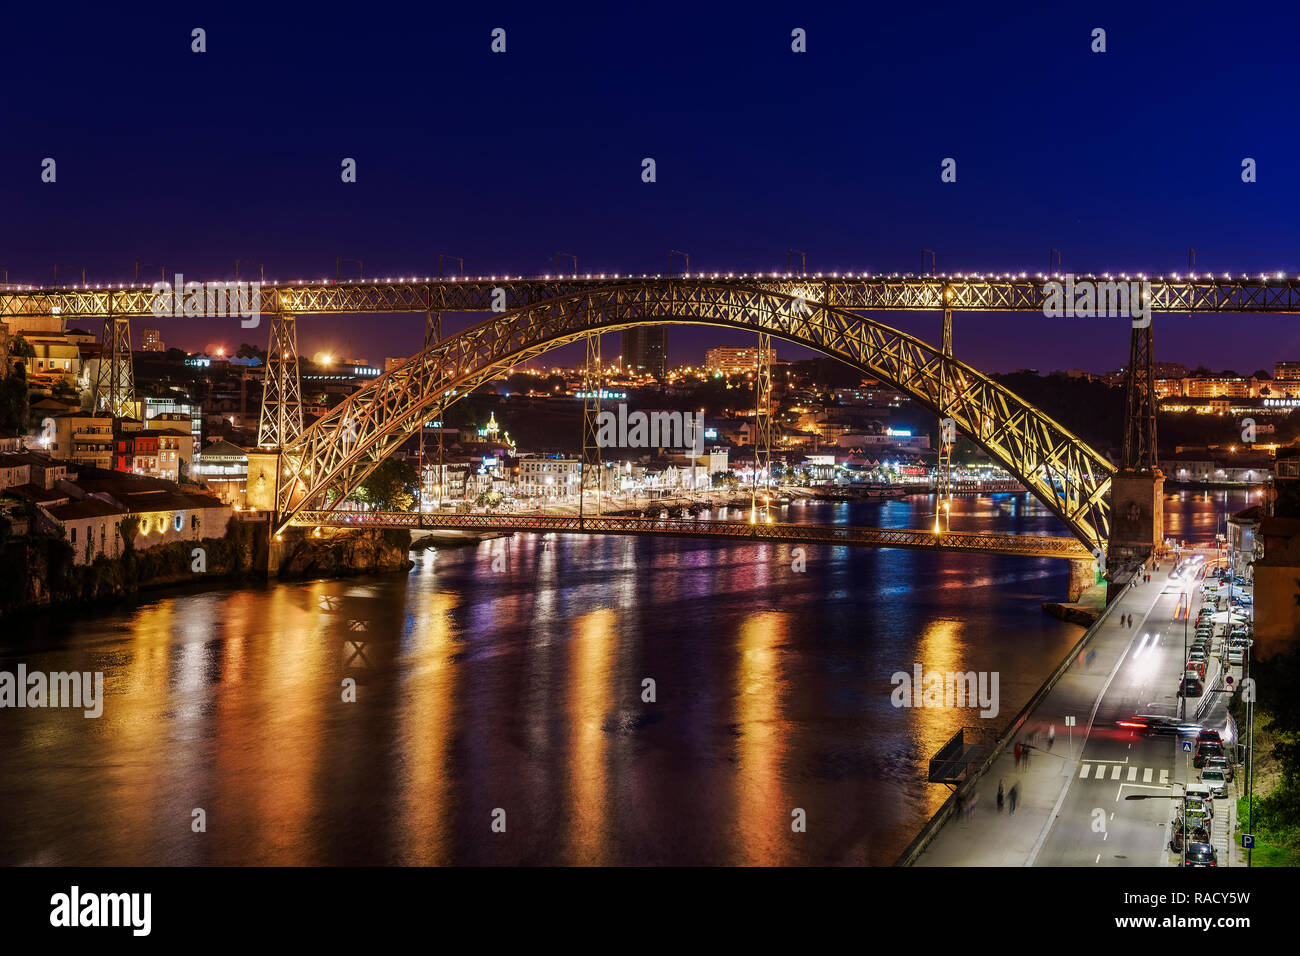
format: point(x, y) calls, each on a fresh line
point(993, 839)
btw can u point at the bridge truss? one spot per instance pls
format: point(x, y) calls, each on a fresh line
point(1035, 546)
point(330, 459)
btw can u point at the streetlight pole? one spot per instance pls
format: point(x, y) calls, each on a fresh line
point(1170, 796)
point(1250, 753)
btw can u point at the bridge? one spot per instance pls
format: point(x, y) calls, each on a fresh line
point(1033, 546)
point(313, 468)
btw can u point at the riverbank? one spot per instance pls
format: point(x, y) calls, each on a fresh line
point(1085, 611)
point(38, 572)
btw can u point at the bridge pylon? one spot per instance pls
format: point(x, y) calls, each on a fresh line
point(1137, 491)
point(762, 426)
point(114, 389)
point(281, 419)
point(432, 336)
point(947, 434)
point(590, 468)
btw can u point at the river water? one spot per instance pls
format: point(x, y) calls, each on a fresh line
point(504, 682)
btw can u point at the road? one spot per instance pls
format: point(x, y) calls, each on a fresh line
point(1071, 808)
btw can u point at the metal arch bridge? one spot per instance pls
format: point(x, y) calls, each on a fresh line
point(1023, 545)
point(818, 311)
point(344, 445)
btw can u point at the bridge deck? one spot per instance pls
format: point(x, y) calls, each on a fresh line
point(1038, 546)
point(965, 292)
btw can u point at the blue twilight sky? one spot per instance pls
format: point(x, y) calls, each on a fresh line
point(1122, 160)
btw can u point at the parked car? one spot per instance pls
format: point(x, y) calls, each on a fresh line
point(1209, 733)
point(1220, 763)
point(1196, 665)
point(1236, 655)
point(1206, 749)
point(1190, 686)
point(1178, 832)
point(1200, 854)
point(1215, 779)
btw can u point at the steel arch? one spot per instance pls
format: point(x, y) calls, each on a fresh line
point(344, 445)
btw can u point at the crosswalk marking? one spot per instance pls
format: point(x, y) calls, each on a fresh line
point(1089, 770)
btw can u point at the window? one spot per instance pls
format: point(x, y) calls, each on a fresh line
point(180, 521)
point(74, 535)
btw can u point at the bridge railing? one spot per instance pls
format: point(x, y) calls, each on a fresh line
point(974, 541)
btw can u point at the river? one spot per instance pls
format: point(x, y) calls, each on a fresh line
point(499, 687)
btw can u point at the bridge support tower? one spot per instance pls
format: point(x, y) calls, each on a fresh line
point(947, 434)
point(114, 390)
point(1137, 491)
point(281, 419)
point(762, 428)
point(590, 468)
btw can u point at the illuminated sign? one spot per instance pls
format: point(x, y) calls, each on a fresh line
point(899, 432)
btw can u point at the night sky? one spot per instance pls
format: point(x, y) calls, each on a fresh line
point(1122, 160)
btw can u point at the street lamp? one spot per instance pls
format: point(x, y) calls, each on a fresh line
point(1170, 796)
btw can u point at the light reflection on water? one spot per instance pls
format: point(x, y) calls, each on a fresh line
point(522, 691)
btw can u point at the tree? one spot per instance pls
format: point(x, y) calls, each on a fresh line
point(14, 409)
point(246, 350)
point(128, 528)
point(1262, 375)
point(391, 485)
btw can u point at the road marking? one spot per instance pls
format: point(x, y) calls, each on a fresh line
point(1164, 777)
point(1065, 790)
point(1114, 775)
point(1083, 771)
point(1146, 775)
point(1133, 773)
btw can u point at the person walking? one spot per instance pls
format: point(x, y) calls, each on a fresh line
point(1015, 792)
point(999, 796)
point(1051, 736)
point(1017, 758)
point(1024, 756)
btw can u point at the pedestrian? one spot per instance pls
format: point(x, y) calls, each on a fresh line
point(970, 804)
point(1017, 767)
point(999, 796)
point(1051, 736)
point(1024, 756)
point(1015, 792)
point(961, 806)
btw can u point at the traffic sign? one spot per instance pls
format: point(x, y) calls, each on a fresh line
point(1069, 721)
point(1187, 746)
point(1248, 841)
